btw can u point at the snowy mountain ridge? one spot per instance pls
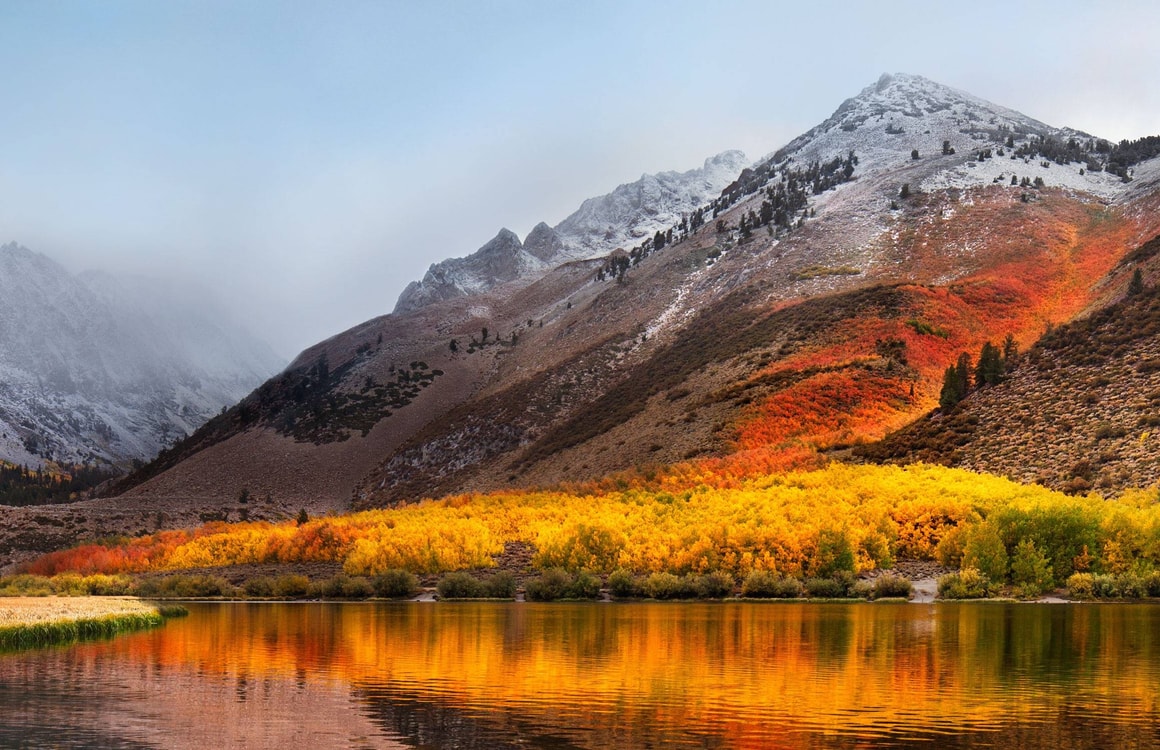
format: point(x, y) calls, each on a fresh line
point(616, 220)
point(101, 369)
point(899, 119)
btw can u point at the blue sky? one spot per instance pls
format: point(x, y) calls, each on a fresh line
point(306, 160)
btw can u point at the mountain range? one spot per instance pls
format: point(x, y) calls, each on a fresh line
point(616, 220)
point(742, 317)
point(106, 370)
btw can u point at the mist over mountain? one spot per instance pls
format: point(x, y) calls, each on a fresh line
point(102, 369)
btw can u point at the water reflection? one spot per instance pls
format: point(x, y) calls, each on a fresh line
point(607, 675)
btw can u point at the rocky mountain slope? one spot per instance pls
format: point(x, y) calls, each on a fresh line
point(809, 305)
point(616, 220)
point(104, 370)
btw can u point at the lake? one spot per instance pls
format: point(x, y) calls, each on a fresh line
point(601, 675)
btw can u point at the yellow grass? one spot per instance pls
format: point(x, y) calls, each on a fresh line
point(24, 611)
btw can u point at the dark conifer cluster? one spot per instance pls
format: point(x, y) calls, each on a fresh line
point(992, 365)
point(786, 193)
point(20, 485)
point(1096, 153)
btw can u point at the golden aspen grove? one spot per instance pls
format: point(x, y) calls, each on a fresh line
point(792, 524)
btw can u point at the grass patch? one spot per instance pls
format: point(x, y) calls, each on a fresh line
point(71, 631)
point(36, 622)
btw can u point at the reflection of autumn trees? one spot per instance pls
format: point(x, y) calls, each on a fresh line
point(753, 675)
point(770, 522)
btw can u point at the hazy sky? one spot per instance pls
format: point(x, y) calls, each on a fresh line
point(307, 160)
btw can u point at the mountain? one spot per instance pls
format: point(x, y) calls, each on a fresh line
point(624, 216)
point(808, 307)
point(105, 370)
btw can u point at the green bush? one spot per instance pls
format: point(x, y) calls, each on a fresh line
point(889, 585)
point(949, 552)
point(1132, 585)
point(552, 584)
point(1063, 533)
point(1030, 569)
point(69, 584)
point(1105, 586)
point(292, 586)
point(259, 588)
point(762, 584)
point(862, 589)
point(832, 554)
point(343, 586)
point(26, 585)
point(1152, 582)
point(667, 586)
point(825, 588)
point(623, 585)
point(715, 585)
point(585, 586)
point(185, 587)
point(201, 586)
point(984, 552)
point(460, 586)
point(108, 585)
point(968, 583)
point(396, 584)
point(557, 583)
point(1081, 585)
point(502, 585)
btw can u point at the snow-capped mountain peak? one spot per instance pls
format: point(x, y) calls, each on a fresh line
point(902, 113)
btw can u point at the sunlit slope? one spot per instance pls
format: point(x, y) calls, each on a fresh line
point(1078, 412)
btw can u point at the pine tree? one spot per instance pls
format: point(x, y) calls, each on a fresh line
point(1136, 285)
point(949, 396)
point(964, 375)
point(989, 369)
point(1010, 351)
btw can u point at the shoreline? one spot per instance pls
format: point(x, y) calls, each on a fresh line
point(29, 622)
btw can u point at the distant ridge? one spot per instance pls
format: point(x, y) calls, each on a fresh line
point(100, 369)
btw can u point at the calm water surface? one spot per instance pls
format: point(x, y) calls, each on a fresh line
point(601, 676)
